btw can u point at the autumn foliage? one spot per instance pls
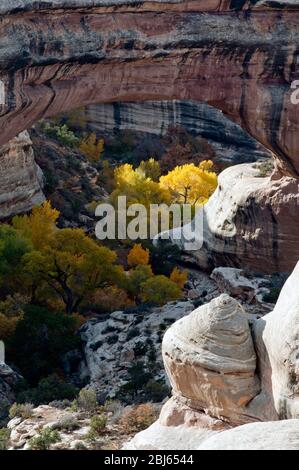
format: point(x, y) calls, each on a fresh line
point(190, 183)
point(179, 277)
point(138, 255)
point(92, 147)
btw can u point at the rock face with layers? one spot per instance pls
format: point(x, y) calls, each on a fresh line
point(277, 337)
point(20, 177)
point(230, 142)
point(210, 360)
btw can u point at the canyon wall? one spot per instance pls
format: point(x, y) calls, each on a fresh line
point(229, 141)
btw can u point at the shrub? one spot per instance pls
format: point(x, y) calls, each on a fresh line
point(66, 423)
point(60, 404)
point(164, 256)
point(98, 425)
point(109, 329)
point(112, 339)
point(265, 168)
point(136, 278)
point(108, 299)
point(42, 336)
point(156, 391)
point(159, 290)
point(137, 377)
point(44, 440)
point(92, 147)
point(4, 438)
point(21, 410)
point(140, 349)
point(133, 333)
point(48, 389)
point(138, 418)
point(272, 296)
point(80, 446)
point(197, 303)
point(87, 400)
point(61, 133)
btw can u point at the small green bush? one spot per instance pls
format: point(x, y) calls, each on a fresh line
point(98, 425)
point(87, 400)
point(265, 168)
point(21, 410)
point(44, 440)
point(61, 133)
point(4, 438)
point(112, 339)
point(156, 391)
point(66, 423)
point(272, 296)
point(160, 290)
point(109, 329)
point(133, 333)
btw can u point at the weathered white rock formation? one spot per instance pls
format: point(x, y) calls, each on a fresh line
point(246, 222)
point(279, 333)
point(210, 360)
point(272, 435)
point(21, 179)
point(217, 367)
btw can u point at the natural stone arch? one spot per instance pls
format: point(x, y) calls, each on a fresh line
point(103, 51)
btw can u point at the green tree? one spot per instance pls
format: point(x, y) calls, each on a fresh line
point(137, 277)
point(159, 290)
point(40, 339)
point(12, 248)
point(73, 266)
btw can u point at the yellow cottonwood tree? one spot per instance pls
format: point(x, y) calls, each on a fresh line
point(190, 183)
point(73, 266)
point(137, 187)
point(151, 169)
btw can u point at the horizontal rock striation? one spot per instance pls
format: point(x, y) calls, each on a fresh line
point(210, 360)
point(230, 142)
